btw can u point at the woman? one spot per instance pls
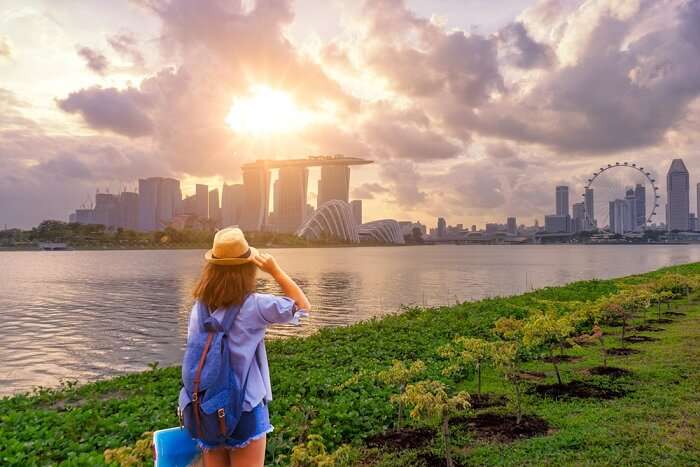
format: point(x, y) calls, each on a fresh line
point(228, 280)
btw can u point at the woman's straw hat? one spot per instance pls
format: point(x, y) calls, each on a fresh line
point(230, 248)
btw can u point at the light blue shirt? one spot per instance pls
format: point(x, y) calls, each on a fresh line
point(247, 340)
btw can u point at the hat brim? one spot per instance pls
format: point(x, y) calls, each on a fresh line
point(209, 257)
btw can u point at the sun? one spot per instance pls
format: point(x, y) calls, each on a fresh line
point(266, 111)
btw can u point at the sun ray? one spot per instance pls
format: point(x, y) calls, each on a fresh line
point(266, 111)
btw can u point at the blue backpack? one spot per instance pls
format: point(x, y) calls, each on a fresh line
point(211, 400)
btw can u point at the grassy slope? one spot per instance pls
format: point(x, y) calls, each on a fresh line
point(657, 423)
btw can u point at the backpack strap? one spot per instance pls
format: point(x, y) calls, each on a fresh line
point(197, 380)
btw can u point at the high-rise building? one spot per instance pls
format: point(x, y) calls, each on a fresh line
point(678, 196)
point(555, 223)
point(214, 208)
point(356, 206)
point(631, 200)
point(107, 210)
point(333, 184)
point(189, 205)
point(622, 215)
point(290, 198)
point(512, 226)
point(562, 193)
point(579, 217)
point(692, 222)
point(697, 206)
point(640, 206)
point(256, 198)
point(588, 201)
point(441, 227)
point(231, 204)
point(129, 209)
point(202, 201)
point(159, 201)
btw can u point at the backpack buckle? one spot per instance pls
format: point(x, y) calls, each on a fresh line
point(194, 397)
point(221, 413)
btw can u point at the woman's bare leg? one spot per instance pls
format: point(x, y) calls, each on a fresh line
point(216, 458)
point(252, 455)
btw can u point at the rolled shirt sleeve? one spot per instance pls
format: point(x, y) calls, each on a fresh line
point(274, 309)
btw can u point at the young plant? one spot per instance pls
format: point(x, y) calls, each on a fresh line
point(400, 375)
point(466, 354)
point(313, 454)
point(507, 356)
point(430, 402)
point(547, 331)
point(598, 334)
point(626, 305)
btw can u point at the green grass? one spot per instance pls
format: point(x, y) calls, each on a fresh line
point(657, 423)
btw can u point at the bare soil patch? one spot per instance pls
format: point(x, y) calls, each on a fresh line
point(406, 438)
point(578, 390)
point(660, 321)
point(485, 401)
point(503, 428)
point(674, 313)
point(647, 328)
point(433, 460)
point(621, 351)
point(640, 339)
point(611, 371)
point(561, 359)
point(532, 375)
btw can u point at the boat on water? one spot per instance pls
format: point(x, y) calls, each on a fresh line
point(53, 246)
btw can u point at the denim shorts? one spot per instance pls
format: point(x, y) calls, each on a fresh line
point(251, 426)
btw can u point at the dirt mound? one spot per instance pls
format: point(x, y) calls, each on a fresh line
point(532, 375)
point(621, 351)
point(485, 401)
point(647, 328)
point(430, 459)
point(674, 313)
point(660, 321)
point(503, 428)
point(611, 371)
point(406, 438)
point(561, 359)
point(640, 339)
point(578, 390)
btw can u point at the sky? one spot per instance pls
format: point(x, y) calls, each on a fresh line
point(472, 110)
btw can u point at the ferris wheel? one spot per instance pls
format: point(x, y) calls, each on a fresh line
point(618, 181)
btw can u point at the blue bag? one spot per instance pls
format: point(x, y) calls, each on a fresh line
point(211, 400)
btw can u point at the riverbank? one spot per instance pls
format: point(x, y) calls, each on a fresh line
point(323, 385)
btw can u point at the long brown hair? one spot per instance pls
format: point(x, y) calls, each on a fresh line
point(223, 286)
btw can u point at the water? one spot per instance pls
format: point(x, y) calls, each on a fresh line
point(86, 314)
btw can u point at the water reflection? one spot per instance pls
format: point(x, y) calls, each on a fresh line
point(83, 315)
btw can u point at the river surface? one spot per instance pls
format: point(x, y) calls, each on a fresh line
point(88, 314)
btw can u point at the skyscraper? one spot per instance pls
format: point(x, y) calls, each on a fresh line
point(356, 206)
point(202, 201)
point(290, 198)
point(214, 209)
point(579, 216)
point(678, 196)
point(620, 216)
point(256, 198)
point(441, 227)
point(588, 202)
point(631, 200)
point(231, 204)
point(334, 183)
point(697, 206)
point(562, 193)
point(512, 226)
point(640, 206)
point(129, 209)
point(107, 210)
point(159, 200)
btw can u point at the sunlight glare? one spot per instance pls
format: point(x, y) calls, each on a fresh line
point(266, 111)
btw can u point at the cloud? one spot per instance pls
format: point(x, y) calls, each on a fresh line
point(406, 141)
point(126, 45)
point(94, 60)
point(121, 111)
point(5, 49)
point(404, 180)
point(368, 190)
point(523, 51)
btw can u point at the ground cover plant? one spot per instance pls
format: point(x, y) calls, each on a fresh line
point(660, 402)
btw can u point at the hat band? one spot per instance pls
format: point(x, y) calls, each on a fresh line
point(243, 256)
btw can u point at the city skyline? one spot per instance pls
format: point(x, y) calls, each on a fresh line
point(520, 108)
